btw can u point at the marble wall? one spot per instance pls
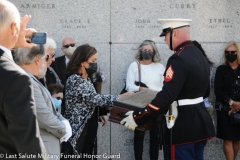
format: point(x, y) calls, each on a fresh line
point(117, 27)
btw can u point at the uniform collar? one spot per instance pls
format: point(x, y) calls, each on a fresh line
point(183, 44)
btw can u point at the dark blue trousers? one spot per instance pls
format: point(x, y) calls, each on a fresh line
point(190, 151)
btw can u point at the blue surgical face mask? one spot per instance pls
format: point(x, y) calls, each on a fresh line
point(57, 102)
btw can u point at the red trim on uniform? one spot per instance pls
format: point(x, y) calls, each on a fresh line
point(196, 141)
point(180, 51)
point(153, 107)
point(169, 74)
point(173, 152)
point(184, 48)
point(148, 111)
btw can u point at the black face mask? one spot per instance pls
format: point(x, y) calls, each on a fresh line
point(147, 55)
point(92, 69)
point(231, 57)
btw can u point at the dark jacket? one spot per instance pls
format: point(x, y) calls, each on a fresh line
point(186, 77)
point(18, 125)
point(227, 82)
point(60, 67)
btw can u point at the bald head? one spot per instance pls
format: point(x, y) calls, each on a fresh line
point(9, 24)
point(68, 47)
point(179, 36)
point(9, 14)
point(67, 40)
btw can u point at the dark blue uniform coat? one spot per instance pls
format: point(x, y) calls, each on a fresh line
point(186, 77)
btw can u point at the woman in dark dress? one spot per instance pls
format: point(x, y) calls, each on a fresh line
point(227, 91)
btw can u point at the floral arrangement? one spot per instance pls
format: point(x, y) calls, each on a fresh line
point(98, 77)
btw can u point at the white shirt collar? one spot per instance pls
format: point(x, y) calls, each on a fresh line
point(66, 60)
point(7, 51)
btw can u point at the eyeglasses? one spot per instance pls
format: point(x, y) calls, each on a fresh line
point(230, 52)
point(68, 45)
point(47, 58)
point(58, 98)
point(53, 55)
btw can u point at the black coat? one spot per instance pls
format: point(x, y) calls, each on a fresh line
point(226, 84)
point(186, 77)
point(60, 67)
point(18, 125)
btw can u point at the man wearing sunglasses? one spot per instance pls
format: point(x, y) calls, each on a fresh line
point(51, 76)
point(68, 47)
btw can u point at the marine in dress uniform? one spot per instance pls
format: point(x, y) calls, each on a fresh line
point(186, 82)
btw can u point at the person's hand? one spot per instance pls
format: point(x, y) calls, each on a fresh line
point(232, 111)
point(234, 108)
point(68, 131)
point(129, 122)
point(235, 105)
point(22, 42)
point(125, 94)
point(143, 88)
point(103, 120)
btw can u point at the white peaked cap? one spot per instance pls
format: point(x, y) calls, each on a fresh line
point(168, 24)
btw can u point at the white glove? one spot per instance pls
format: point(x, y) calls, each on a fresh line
point(68, 131)
point(129, 122)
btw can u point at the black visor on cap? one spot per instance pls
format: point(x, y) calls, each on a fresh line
point(166, 30)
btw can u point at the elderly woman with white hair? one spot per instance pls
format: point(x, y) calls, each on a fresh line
point(51, 76)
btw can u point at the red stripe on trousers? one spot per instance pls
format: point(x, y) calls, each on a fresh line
point(173, 152)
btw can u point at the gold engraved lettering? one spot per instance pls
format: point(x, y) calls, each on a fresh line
point(182, 6)
point(37, 6)
point(219, 20)
point(142, 21)
point(34, 6)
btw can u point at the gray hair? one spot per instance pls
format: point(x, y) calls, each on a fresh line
point(8, 14)
point(24, 56)
point(50, 43)
point(156, 57)
point(229, 44)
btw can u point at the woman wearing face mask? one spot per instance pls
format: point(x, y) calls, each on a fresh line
point(151, 78)
point(56, 91)
point(81, 100)
point(227, 91)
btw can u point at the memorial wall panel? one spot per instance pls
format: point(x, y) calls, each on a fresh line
point(212, 21)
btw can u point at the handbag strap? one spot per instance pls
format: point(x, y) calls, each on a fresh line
point(139, 73)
